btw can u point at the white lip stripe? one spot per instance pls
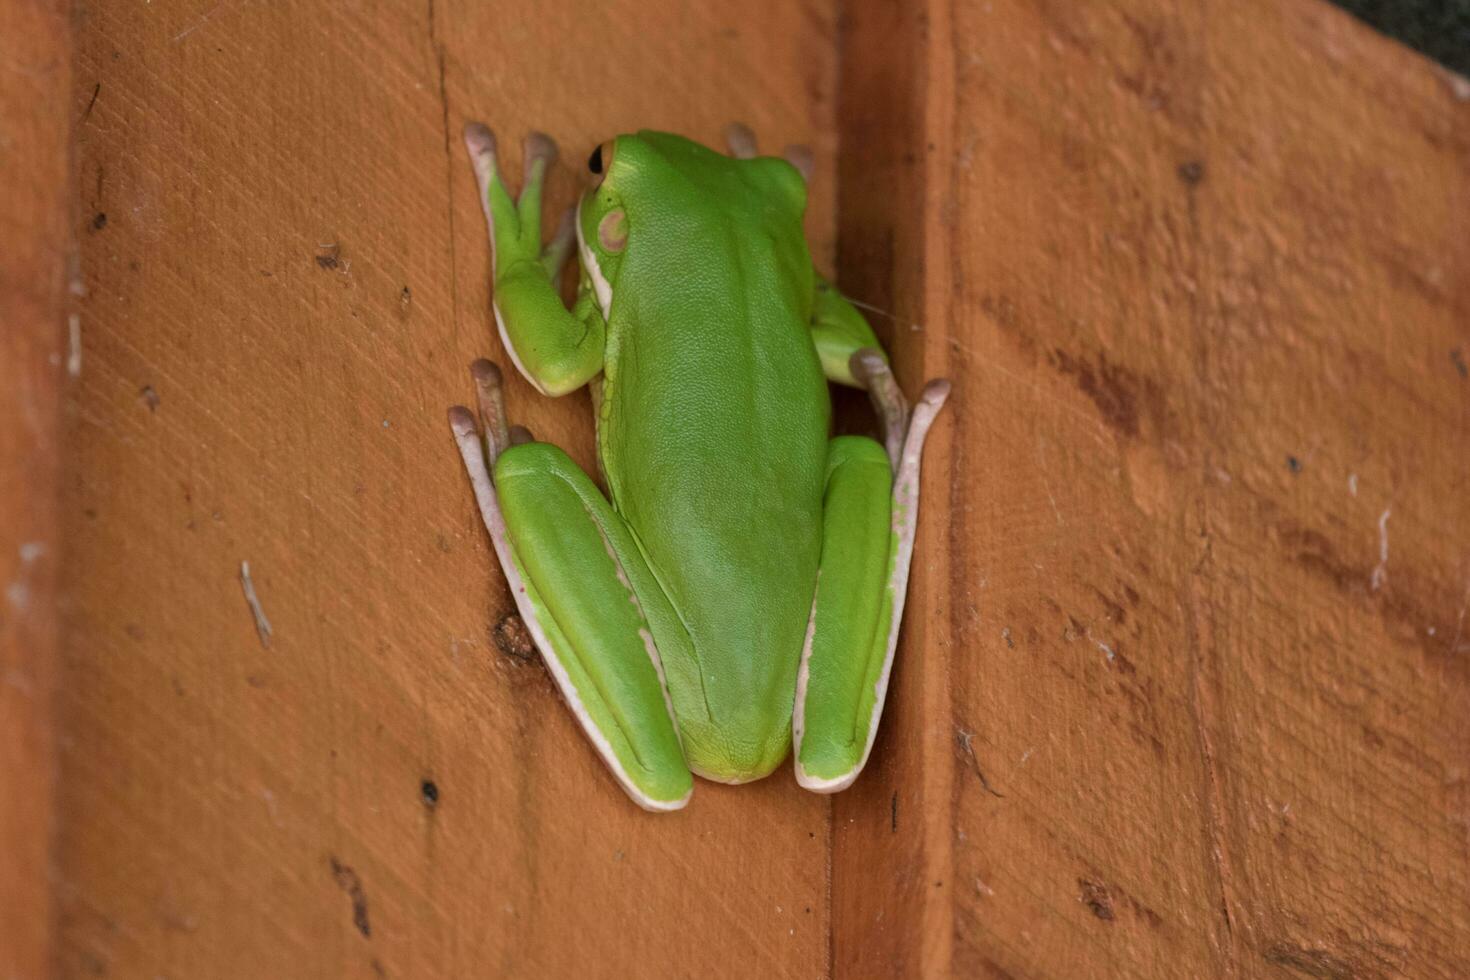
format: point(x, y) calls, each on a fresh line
point(600, 286)
point(474, 461)
point(905, 523)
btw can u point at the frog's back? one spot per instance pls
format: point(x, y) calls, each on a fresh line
point(715, 401)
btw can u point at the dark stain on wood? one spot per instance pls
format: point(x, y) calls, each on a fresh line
point(1097, 898)
point(348, 880)
point(512, 638)
point(1122, 398)
point(1310, 962)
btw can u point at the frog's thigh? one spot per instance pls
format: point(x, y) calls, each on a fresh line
point(868, 524)
point(843, 657)
point(575, 594)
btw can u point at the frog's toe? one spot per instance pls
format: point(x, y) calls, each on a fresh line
point(740, 140)
point(480, 142)
point(539, 147)
point(490, 394)
point(800, 157)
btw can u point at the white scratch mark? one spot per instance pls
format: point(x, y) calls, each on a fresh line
point(1046, 484)
point(74, 345)
point(981, 888)
point(262, 625)
point(200, 22)
point(1353, 484)
point(1379, 578)
point(31, 550)
point(270, 806)
point(1027, 754)
point(1054, 508)
point(1107, 650)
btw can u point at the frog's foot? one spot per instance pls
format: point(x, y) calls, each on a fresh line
point(742, 143)
point(572, 568)
point(515, 227)
point(870, 511)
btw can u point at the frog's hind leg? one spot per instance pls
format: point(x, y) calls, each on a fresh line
point(869, 512)
point(572, 567)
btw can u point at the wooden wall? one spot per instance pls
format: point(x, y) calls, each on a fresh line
point(1191, 695)
point(1183, 689)
point(35, 273)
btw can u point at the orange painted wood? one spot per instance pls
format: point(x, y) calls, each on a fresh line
point(1189, 697)
point(287, 273)
point(35, 159)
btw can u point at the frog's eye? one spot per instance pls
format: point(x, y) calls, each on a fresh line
point(600, 161)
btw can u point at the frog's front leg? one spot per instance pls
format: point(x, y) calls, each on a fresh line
point(556, 349)
point(575, 572)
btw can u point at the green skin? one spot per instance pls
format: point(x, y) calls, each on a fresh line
point(681, 614)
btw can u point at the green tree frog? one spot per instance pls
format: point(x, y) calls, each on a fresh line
point(738, 589)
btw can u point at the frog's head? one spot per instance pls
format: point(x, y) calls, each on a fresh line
point(651, 186)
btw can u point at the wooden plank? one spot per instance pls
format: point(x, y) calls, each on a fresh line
point(35, 138)
point(1201, 276)
point(287, 271)
point(891, 877)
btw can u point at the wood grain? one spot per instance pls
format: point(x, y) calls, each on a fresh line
point(1196, 658)
point(35, 158)
point(287, 271)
